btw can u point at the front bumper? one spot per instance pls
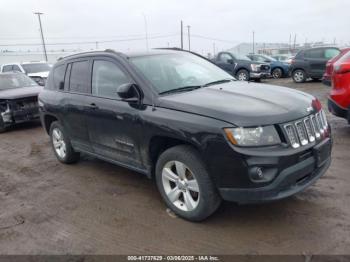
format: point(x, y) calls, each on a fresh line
point(16, 117)
point(260, 75)
point(289, 181)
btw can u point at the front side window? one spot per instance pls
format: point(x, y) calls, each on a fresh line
point(16, 68)
point(79, 77)
point(330, 53)
point(168, 72)
point(225, 58)
point(106, 78)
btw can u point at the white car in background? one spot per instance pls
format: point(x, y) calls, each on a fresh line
point(38, 71)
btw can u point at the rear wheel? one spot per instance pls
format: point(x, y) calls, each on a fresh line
point(61, 145)
point(277, 73)
point(242, 75)
point(299, 76)
point(184, 184)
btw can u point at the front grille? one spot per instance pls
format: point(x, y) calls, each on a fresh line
point(306, 130)
point(265, 67)
point(25, 103)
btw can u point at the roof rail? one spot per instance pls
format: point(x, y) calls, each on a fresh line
point(183, 50)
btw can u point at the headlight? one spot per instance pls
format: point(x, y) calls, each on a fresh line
point(255, 67)
point(256, 136)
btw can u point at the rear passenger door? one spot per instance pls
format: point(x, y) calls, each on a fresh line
point(113, 124)
point(76, 87)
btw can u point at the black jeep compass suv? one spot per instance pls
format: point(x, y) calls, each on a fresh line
point(179, 118)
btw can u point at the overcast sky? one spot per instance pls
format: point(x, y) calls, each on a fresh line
point(230, 20)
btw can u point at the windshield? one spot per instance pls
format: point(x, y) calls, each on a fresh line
point(8, 81)
point(241, 57)
point(36, 68)
point(168, 72)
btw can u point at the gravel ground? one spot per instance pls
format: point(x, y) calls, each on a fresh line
point(97, 208)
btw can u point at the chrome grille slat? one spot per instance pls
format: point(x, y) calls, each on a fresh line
point(306, 130)
point(309, 130)
point(301, 133)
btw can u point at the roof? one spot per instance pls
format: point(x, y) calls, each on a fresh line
point(159, 51)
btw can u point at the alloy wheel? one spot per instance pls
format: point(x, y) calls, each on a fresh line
point(180, 186)
point(58, 143)
point(242, 76)
point(298, 76)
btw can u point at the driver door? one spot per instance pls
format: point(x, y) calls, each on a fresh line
point(113, 124)
point(226, 62)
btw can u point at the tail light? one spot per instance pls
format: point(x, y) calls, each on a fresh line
point(342, 68)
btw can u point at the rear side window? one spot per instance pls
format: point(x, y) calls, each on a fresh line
point(331, 52)
point(58, 76)
point(79, 77)
point(314, 53)
point(7, 68)
point(106, 77)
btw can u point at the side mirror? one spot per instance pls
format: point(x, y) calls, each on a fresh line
point(129, 92)
point(268, 61)
point(230, 61)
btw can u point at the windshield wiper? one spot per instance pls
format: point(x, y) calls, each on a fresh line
point(180, 89)
point(219, 82)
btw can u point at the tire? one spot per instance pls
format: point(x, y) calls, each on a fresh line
point(2, 125)
point(61, 145)
point(242, 75)
point(186, 201)
point(299, 76)
point(277, 73)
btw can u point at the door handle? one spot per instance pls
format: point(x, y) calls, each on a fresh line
point(93, 106)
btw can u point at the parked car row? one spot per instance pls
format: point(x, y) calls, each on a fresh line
point(38, 71)
point(182, 120)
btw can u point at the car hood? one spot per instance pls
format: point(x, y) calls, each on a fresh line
point(242, 103)
point(39, 74)
point(15, 93)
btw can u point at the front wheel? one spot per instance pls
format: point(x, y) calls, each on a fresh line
point(61, 145)
point(184, 184)
point(299, 76)
point(242, 75)
point(277, 73)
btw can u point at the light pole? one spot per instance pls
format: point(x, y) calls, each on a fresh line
point(189, 37)
point(42, 34)
point(182, 36)
point(253, 42)
point(146, 30)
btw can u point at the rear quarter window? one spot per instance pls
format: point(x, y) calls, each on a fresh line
point(7, 68)
point(58, 77)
